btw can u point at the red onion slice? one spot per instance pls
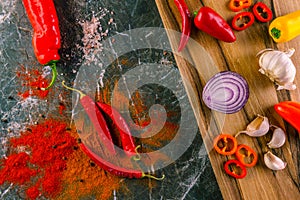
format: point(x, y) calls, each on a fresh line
point(226, 92)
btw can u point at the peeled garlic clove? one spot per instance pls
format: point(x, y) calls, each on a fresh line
point(258, 127)
point(273, 162)
point(278, 138)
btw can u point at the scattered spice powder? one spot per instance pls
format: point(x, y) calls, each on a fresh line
point(40, 165)
point(32, 80)
point(83, 179)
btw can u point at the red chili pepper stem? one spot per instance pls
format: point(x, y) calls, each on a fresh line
point(52, 65)
point(137, 157)
point(81, 94)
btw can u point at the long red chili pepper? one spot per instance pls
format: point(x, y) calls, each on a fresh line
point(186, 23)
point(96, 118)
point(113, 169)
point(125, 134)
point(289, 111)
point(213, 24)
point(46, 37)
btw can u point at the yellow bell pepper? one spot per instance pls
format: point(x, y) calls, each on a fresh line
point(285, 28)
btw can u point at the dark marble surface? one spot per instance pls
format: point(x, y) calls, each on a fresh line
point(189, 177)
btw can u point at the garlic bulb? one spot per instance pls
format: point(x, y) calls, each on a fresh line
point(273, 162)
point(278, 66)
point(258, 127)
point(278, 138)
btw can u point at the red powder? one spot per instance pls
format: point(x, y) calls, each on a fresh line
point(61, 108)
point(15, 169)
point(49, 144)
point(33, 81)
point(33, 192)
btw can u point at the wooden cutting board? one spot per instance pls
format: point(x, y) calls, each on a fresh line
point(240, 56)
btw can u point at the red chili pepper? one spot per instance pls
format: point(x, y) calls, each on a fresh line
point(235, 169)
point(213, 24)
point(107, 166)
point(125, 134)
point(290, 112)
point(96, 118)
point(242, 20)
point(113, 169)
point(186, 23)
point(225, 144)
point(46, 37)
point(246, 155)
point(238, 5)
point(262, 12)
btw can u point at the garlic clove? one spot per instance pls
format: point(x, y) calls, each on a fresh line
point(258, 127)
point(273, 162)
point(278, 66)
point(278, 138)
point(287, 86)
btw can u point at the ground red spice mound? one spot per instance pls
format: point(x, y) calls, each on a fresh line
point(40, 165)
point(33, 81)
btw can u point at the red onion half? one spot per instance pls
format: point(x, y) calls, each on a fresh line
point(226, 92)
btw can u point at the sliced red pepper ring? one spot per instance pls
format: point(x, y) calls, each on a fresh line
point(246, 155)
point(225, 144)
point(242, 20)
point(262, 12)
point(238, 5)
point(235, 169)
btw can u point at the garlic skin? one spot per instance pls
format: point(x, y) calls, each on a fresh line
point(278, 66)
point(278, 138)
point(273, 162)
point(257, 128)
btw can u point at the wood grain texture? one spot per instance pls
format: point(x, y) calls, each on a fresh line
point(240, 56)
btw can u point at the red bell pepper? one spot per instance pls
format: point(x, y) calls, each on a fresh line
point(235, 169)
point(262, 12)
point(186, 23)
point(242, 21)
point(210, 22)
point(290, 112)
point(46, 33)
point(246, 155)
point(238, 5)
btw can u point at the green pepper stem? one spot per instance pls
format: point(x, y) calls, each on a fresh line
point(153, 177)
point(52, 65)
point(137, 157)
point(73, 89)
point(276, 33)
